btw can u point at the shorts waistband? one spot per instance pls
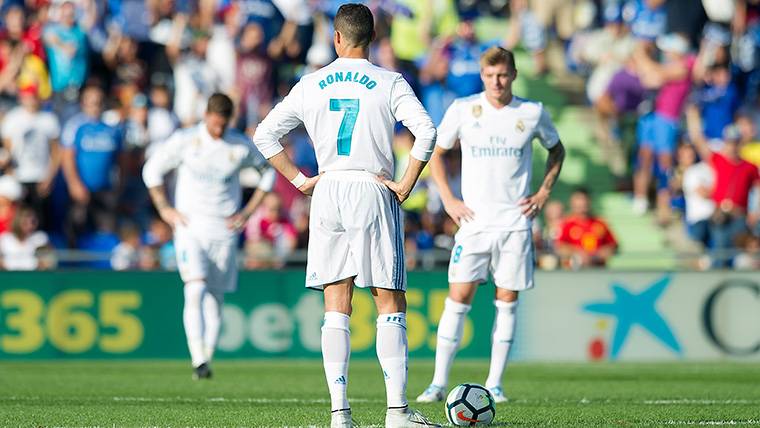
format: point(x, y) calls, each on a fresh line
point(350, 175)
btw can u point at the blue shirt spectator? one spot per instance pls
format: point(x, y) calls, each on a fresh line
point(264, 13)
point(647, 18)
point(96, 147)
point(463, 78)
point(66, 47)
point(718, 101)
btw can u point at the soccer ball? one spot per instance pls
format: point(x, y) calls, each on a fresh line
point(470, 405)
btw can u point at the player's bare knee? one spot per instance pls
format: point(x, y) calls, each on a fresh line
point(462, 292)
point(505, 295)
point(338, 296)
point(389, 301)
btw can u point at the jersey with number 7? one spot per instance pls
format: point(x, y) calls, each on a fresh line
point(349, 109)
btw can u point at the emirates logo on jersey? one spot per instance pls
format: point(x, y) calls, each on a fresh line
point(477, 110)
point(520, 127)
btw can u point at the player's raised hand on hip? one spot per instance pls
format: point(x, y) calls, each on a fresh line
point(533, 204)
point(402, 192)
point(458, 211)
point(307, 188)
point(172, 217)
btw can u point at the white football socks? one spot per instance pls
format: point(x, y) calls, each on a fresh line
point(336, 348)
point(450, 329)
point(392, 351)
point(212, 321)
point(503, 333)
point(192, 318)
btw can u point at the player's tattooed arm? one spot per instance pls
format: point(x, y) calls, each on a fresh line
point(534, 203)
point(238, 220)
point(168, 214)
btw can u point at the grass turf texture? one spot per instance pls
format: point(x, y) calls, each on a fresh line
point(293, 393)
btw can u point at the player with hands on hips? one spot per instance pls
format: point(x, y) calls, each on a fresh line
point(496, 131)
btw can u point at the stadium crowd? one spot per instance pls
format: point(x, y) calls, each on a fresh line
point(88, 89)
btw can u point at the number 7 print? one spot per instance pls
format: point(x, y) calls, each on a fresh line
point(346, 131)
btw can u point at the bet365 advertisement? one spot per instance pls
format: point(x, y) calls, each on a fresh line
point(568, 316)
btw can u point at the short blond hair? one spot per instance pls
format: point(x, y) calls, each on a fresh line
point(498, 55)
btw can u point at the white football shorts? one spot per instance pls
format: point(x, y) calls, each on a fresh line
point(508, 256)
point(355, 230)
point(214, 260)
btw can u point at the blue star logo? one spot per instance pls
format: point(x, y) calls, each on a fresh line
point(636, 309)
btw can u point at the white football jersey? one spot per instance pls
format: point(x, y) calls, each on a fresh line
point(349, 109)
point(497, 149)
point(208, 184)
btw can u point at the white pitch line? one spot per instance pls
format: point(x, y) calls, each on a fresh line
point(699, 401)
point(754, 422)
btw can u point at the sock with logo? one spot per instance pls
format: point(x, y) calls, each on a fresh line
point(192, 318)
point(392, 352)
point(212, 321)
point(336, 348)
point(503, 333)
point(449, 336)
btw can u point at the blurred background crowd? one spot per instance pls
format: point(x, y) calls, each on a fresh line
point(666, 92)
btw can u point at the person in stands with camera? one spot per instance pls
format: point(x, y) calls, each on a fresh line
point(735, 179)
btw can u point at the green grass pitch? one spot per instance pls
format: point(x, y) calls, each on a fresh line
point(293, 393)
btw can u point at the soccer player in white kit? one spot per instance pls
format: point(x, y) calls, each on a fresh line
point(349, 109)
point(496, 131)
point(207, 216)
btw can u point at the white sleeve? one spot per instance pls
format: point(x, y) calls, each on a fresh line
point(53, 127)
point(448, 130)
point(408, 110)
point(256, 161)
point(69, 131)
point(285, 116)
point(545, 130)
point(5, 128)
point(185, 95)
point(166, 157)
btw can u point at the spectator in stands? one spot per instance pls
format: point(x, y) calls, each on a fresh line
point(195, 79)
point(718, 100)
point(254, 73)
point(270, 226)
point(607, 50)
point(26, 54)
point(617, 110)
point(31, 137)
point(697, 186)
point(735, 178)
point(750, 146)
point(126, 255)
point(120, 55)
point(415, 24)
point(549, 232)
point(160, 236)
point(24, 246)
point(221, 53)
point(525, 28)
point(749, 256)
point(162, 122)
point(658, 131)
point(648, 18)
point(584, 240)
point(66, 47)
point(10, 194)
point(88, 165)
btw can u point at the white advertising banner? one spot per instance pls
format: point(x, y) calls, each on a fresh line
point(640, 316)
